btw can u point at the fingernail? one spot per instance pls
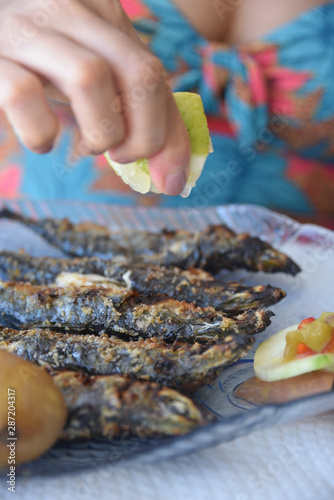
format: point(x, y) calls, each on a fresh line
point(44, 149)
point(175, 183)
point(122, 159)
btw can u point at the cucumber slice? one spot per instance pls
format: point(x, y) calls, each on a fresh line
point(268, 360)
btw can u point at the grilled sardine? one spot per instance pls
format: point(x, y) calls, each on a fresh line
point(113, 406)
point(193, 285)
point(181, 366)
point(120, 312)
point(216, 248)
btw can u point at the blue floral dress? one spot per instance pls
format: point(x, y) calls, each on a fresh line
point(270, 107)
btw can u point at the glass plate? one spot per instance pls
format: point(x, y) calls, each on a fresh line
point(310, 293)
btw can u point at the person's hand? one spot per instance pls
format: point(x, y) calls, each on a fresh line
point(89, 51)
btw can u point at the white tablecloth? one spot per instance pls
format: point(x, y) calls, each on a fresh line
point(291, 462)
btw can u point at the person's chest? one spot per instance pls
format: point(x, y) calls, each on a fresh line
point(241, 21)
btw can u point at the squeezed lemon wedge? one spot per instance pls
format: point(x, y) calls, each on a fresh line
point(137, 175)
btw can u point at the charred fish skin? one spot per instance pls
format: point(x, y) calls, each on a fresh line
point(189, 286)
point(113, 406)
point(213, 249)
point(23, 305)
point(172, 321)
point(193, 285)
point(20, 266)
point(181, 366)
point(88, 239)
point(121, 313)
point(222, 248)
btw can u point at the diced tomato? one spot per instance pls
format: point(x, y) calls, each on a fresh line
point(304, 350)
point(330, 346)
point(305, 321)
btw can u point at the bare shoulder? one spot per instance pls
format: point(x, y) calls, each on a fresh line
point(240, 21)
